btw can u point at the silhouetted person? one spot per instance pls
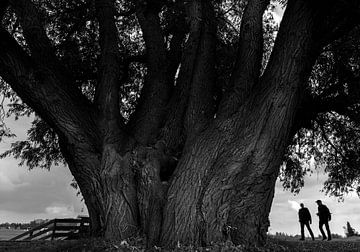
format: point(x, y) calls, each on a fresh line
point(305, 220)
point(324, 218)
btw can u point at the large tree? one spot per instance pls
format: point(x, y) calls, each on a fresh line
point(168, 126)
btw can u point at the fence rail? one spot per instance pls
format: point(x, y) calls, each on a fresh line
point(57, 229)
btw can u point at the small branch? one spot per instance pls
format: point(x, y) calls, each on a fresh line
point(326, 138)
point(227, 22)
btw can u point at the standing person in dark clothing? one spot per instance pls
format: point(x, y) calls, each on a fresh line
point(324, 218)
point(305, 220)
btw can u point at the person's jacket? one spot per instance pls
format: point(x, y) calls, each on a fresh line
point(304, 215)
point(324, 213)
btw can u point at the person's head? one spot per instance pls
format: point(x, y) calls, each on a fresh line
point(302, 205)
point(319, 202)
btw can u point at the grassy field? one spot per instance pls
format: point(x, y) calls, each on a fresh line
point(97, 245)
point(335, 245)
point(6, 234)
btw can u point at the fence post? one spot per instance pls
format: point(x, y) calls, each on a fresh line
point(54, 229)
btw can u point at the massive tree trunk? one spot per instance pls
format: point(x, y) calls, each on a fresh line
point(185, 168)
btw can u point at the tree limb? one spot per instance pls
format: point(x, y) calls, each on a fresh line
point(55, 105)
point(111, 70)
point(39, 44)
point(249, 56)
point(191, 106)
point(148, 117)
point(178, 31)
point(201, 107)
point(41, 48)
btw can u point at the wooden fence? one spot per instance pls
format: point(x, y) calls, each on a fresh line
point(57, 229)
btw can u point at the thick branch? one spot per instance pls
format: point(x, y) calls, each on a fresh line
point(42, 50)
point(148, 117)
point(201, 107)
point(195, 80)
point(176, 46)
point(42, 93)
point(248, 60)
point(39, 44)
point(321, 30)
point(110, 73)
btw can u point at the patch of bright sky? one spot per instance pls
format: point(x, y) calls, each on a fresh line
point(284, 211)
point(37, 194)
point(278, 13)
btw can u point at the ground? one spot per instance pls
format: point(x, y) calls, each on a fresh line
point(294, 245)
point(97, 245)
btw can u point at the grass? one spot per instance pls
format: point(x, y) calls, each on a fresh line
point(6, 234)
point(338, 245)
point(97, 245)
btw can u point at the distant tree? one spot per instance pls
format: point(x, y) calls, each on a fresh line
point(175, 116)
point(350, 231)
point(336, 236)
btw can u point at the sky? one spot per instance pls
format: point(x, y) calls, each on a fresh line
point(36, 194)
point(284, 211)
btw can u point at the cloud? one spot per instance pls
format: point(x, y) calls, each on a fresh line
point(27, 195)
point(5, 183)
point(294, 205)
point(60, 210)
point(8, 183)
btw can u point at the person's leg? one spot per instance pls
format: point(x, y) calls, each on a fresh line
point(321, 230)
point(302, 231)
point(310, 231)
point(328, 230)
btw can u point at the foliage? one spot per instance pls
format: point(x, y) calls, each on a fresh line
point(40, 150)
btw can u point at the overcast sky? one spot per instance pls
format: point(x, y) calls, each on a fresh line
point(284, 211)
point(37, 194)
